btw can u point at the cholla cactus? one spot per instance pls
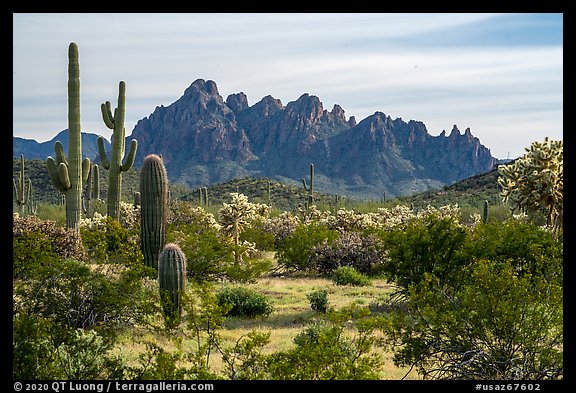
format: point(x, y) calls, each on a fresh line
point(535, 182)
point(282, 226)
point(236, 216)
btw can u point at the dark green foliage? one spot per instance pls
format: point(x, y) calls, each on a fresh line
point(46, 350)
point(153, 209)
point(431, 245)
point(347, 275)
point(530, 249)
point(70, 293)
point(297, 250)
point(497, 325)
point(262, 239)
point(318, 300)
point(244, 302)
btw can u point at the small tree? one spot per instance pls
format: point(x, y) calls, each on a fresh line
point(498, 325)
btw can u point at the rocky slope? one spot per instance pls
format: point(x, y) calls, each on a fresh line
point(205, 139)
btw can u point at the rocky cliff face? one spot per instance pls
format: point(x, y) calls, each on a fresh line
point(204, 139)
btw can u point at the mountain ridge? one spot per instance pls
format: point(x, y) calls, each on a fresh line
point(41, 150)
point(205, 139)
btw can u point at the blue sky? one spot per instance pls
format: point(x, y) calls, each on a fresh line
point(501, 75)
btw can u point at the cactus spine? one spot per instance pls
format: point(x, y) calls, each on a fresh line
point(153, 208)
point(115, 165)
point(172, 281)
point(311, 188)
point(67, 174)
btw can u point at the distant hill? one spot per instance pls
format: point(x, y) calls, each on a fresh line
point(35, 150)
point(283, 196)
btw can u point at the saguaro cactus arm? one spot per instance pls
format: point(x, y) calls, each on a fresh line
point(106, 109)
point(129, 161)
point(85, 169)
point(102, 153)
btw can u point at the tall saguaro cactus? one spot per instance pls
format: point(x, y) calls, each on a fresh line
point(21, 194)
point(153, 208)
point(172, 281)
point(67, 174)
point(311, 188)
point(115, 165)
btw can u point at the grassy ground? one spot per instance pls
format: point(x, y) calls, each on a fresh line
point(292, 312)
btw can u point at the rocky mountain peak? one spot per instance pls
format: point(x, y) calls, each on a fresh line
point(237, 102)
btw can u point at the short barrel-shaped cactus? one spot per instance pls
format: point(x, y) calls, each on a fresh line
point(172, 281)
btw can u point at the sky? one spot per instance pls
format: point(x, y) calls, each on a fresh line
point(501, 75)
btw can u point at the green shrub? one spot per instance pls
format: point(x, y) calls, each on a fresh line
point(262, 239)
point(318, 300)
point(324, 352)
point(530, 249)
point(362, 251)
point(431, 244)
point(36, 242)
point(496, 325)
point(296, 252)
point(211, 256)
point(347, 275)
point(76, 295)
point(244, 302)
point(43, 349)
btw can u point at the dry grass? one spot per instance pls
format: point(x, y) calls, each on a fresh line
point(292, 312)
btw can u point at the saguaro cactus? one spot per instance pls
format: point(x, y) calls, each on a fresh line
point(92, 190)
point(21, 194)
point(153, 208)
point(311, 188)
point(485, 212)
point(115, 164)
point(172, 281)
point(67, 174)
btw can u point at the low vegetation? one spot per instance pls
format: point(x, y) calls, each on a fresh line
point(389, 292)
